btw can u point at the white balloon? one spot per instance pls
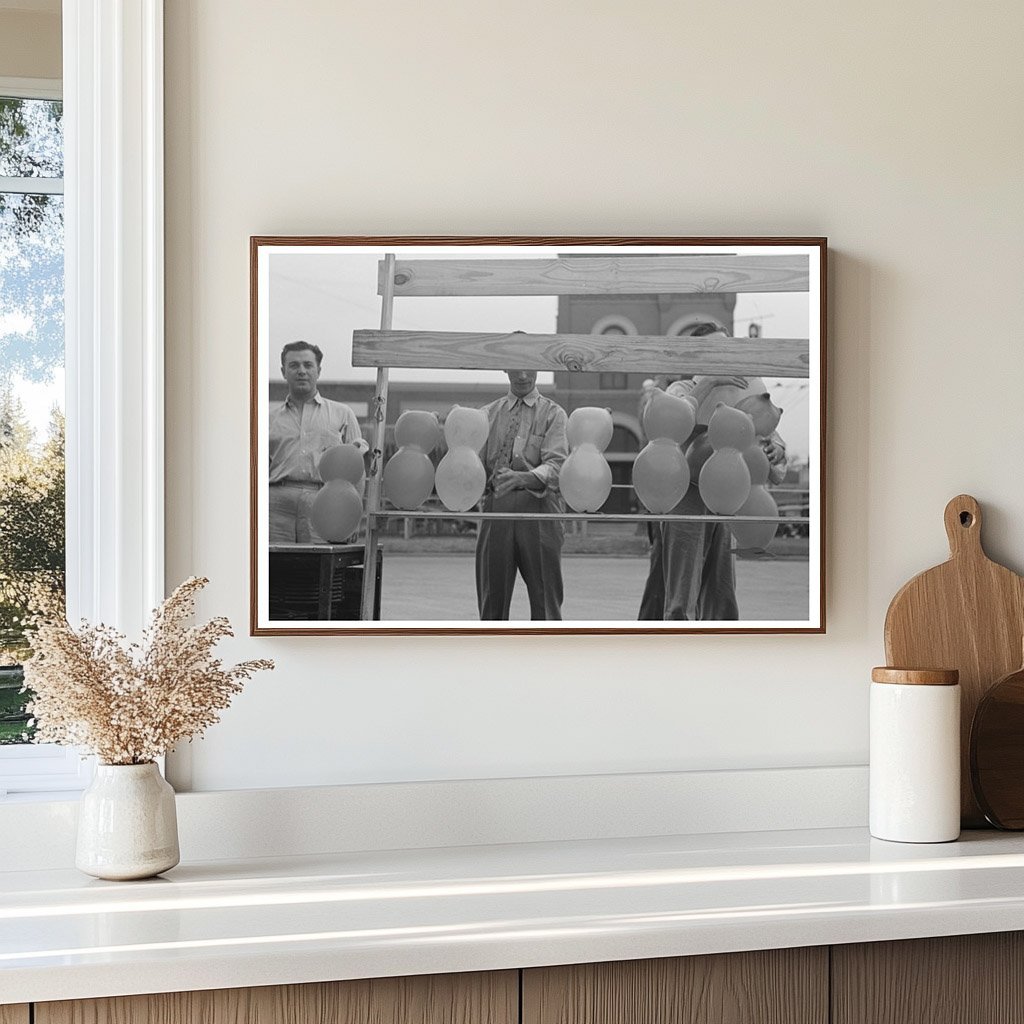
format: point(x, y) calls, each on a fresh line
point(466, 427)
point(725, 482)
point(756, 535)
point(585, 479)
point(460, 479)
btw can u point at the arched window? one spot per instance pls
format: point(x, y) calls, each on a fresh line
point(614, 323)
point(684, 325)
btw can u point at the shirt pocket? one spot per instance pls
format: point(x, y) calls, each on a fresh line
point(321, 440)
point(532, 448)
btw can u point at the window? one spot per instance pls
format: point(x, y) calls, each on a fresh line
point(614, 323)
point(32, 535)
point(684, 326)
point(31, 380)
point(113, 334)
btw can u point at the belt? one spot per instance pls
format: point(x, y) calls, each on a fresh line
point(296, 483)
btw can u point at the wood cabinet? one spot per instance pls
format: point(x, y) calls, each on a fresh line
point(962, 979)
point(972, 979)
point(481, 998)
point(775, 986)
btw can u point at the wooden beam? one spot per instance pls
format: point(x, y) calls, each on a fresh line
point(599, 275)
point(762, 357)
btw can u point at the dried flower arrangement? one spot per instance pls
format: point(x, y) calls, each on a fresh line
point(129, 704)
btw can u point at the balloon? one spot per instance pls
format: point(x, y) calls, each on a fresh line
point(336, 511)
point(408, 478)
point(343, 462)
point(730, 428)
point(724, 482)
point(697, 454)
point(590, 425)
point(585, 479)
point(419, 429)
point(661, 475)
point(763, 411)
point(669, 416)
point(756, 535)
point(758, 464)
point(460, 478)
point(467, 428)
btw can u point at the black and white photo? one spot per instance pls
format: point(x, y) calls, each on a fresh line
point(534, 435)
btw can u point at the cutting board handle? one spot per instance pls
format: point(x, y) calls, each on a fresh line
point(963, 527)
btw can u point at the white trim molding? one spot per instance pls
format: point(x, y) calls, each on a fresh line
point(32, 186)
point(114, 325)
point(43, 768)
point(113, 92)
point(253, 823)
point(31, 88)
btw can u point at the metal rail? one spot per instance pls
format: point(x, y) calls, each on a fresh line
point(602, 517)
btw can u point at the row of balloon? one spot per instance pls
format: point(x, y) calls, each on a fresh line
point(460, 478)
point(409, 476)
point(728, 461)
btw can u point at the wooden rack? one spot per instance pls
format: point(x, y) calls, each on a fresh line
point(575, 275)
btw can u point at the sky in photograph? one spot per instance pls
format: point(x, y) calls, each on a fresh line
point(323, 297)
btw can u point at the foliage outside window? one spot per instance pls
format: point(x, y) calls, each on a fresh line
point(31, 360)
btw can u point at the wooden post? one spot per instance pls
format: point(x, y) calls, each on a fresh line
point(380, 418)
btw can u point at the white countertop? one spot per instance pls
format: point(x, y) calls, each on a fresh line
point(225, 924)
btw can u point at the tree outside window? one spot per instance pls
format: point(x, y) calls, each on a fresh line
point(31, 374)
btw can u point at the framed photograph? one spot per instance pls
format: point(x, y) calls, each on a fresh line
point(537, 435)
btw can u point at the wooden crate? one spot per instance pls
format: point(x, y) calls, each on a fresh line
point(319, 581)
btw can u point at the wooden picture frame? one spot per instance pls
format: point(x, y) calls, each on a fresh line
point(603, 320)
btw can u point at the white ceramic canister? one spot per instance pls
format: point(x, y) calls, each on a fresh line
point(915, 755)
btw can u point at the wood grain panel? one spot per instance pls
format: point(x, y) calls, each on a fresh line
point(481, 998)
point(779, 986)
point(599, 275)
point(962, 979)
point(769, 357)
point(14, 1014)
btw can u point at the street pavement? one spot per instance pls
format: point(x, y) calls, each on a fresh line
point(442, 587)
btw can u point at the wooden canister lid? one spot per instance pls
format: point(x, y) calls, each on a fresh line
point(916, 676)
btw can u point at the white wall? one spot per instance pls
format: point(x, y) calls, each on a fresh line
point(894, 129)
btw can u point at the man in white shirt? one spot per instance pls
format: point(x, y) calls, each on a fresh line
point(301, 430)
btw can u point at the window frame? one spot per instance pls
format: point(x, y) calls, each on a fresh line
point(112, 89)
point(38, 767)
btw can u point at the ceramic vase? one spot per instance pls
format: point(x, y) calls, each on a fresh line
point(127, 825)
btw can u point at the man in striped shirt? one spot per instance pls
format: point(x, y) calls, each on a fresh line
point(525, 450)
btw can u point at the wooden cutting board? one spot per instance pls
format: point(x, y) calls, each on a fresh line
point(967, 614)
point(997, 752)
